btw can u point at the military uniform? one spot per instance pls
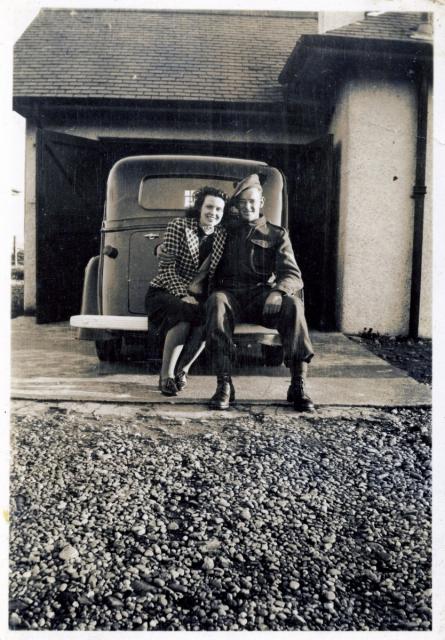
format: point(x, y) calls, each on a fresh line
point(257, 259)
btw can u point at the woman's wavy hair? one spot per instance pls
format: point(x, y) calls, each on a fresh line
point(199, 196)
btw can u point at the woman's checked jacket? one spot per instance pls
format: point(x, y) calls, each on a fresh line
point(179, 261)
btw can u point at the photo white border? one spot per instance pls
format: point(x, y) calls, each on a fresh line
point(14, 18)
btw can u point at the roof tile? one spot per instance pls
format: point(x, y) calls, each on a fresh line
point(387, 26)
point(182, 55)
point(155, 54)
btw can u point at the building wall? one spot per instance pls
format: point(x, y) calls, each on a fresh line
point(255, 128)
point(340, 130)
point(426, 301)
point(374, 131)
point(375, 123)
point(30, 219)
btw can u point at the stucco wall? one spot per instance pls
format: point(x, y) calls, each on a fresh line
point(375, 123)
point(426, 291)
point(340, 129)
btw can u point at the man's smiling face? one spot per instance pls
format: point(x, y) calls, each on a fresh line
point(249, 204)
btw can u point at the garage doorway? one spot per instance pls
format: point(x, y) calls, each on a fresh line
point(71, 188)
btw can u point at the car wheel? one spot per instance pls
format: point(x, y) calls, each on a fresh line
point(109, 350)
point(272, 356)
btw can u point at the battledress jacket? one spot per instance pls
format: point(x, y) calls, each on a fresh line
point(270, 257)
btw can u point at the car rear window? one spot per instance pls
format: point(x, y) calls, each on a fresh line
point(171, 194)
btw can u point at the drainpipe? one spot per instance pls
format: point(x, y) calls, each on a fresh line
point(419, 191)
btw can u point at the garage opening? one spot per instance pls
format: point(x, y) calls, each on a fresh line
point(70, 196)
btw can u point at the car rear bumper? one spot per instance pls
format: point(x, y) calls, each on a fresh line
point(110, 323)
point(243, 332)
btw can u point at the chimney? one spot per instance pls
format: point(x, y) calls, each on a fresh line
point(425, 29)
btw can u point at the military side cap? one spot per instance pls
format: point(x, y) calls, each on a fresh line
point(251, 182)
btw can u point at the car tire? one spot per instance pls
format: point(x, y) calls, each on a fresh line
point(272, 355)
point(109, 350)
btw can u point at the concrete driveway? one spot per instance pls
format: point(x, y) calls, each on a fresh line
point(49, 363)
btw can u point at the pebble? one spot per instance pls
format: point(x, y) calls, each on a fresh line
point(14, 619)
point(211, 545)
point(68, 553)
point(139, 530)
point(92, 580)
point(114, 602)
point(176, 586)
point(159, 582)
point(208, 564)
point(330, 539)
point(253, 547)
point(224, 562)
point(140, 586)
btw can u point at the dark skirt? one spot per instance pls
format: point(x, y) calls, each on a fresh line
point(165, 310)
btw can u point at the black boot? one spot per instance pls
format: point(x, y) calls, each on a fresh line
point(296, 392)
point(224, 394)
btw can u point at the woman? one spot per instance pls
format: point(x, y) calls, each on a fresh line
point(192, 247)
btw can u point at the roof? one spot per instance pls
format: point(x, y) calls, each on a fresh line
point(390, 41)
point(386, 26)
point(157, 55)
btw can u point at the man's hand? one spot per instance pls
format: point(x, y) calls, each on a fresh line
point(190, 300)
point(273, 303)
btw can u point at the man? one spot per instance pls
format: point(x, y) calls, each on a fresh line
point(257, 280)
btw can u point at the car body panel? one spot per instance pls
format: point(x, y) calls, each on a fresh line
point(144, 193)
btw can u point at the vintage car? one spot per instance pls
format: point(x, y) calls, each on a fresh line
point(144, 193)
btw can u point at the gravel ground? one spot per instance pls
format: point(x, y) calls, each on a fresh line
point(237, 521)
point(412, 355)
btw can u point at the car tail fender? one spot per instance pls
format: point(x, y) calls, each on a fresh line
point(90, 301)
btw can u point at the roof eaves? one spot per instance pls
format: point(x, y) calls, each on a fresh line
point(186, 104)
point(348, 47)
point(309, 15)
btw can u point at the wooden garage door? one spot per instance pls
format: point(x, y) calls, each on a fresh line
point(70, 193)
point(313, 227)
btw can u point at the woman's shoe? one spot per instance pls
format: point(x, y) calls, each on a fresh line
point(168, 387)
point(181, 380)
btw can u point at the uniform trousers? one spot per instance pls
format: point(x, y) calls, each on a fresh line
point(225, 308)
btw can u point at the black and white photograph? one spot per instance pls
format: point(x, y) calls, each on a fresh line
point(223, 301)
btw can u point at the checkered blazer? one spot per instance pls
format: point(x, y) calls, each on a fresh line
point(180, 249)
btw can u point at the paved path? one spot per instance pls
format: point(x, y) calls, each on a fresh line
point(49, 363)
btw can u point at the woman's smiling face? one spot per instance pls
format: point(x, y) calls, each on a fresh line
point(212, 211)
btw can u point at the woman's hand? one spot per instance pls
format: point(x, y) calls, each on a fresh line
point(190, 300)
